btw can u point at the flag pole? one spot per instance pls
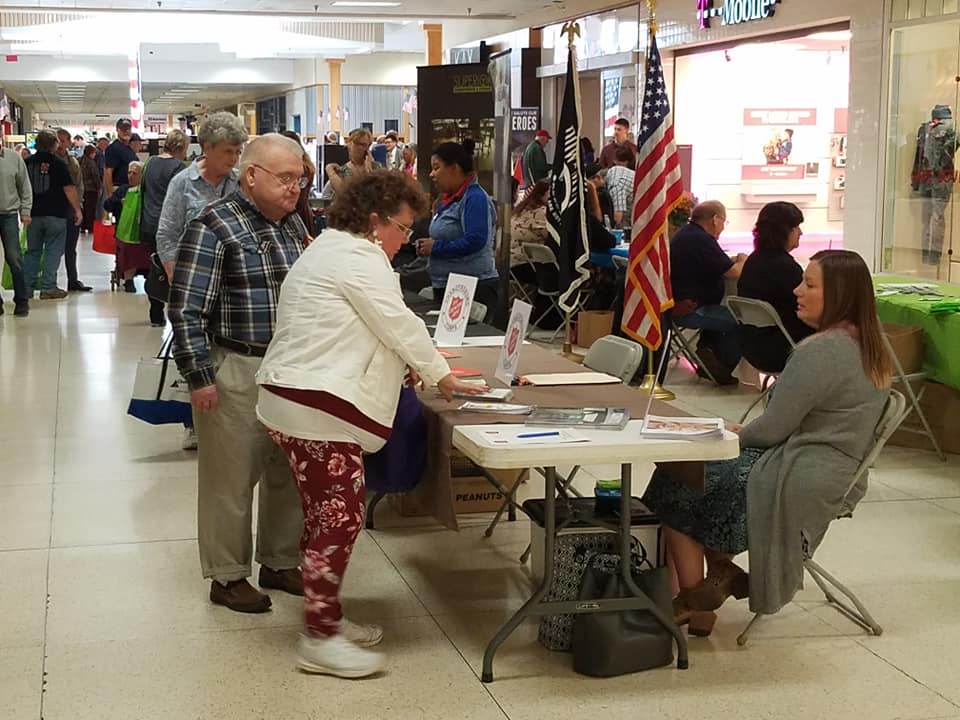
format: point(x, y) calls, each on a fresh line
point(571, 30)
point(651, 382)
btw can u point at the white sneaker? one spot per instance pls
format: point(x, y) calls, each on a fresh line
point(189, 439)
point(361, 635)
point(337, 656)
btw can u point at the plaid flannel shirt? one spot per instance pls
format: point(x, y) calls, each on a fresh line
point(230, 265)
point(620, 186)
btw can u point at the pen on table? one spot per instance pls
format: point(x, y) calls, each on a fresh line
point(541, 434)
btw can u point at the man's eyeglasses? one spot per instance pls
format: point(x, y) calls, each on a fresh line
point(286, 180)
point(407, 231)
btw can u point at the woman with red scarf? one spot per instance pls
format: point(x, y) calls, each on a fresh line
point(463, 230)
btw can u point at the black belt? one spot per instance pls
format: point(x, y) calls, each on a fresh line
point(238, 346)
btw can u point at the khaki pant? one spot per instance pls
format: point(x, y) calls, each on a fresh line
point(236, 454)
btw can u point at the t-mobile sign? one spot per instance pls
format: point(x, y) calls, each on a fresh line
point(734, 12)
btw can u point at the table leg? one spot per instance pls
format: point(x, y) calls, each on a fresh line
point(549, 530)
point(626, 501)
point(509, 501)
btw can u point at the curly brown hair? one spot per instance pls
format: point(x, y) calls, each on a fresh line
point(382, 192)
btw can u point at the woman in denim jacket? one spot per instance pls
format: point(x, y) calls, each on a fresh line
point(463, 230)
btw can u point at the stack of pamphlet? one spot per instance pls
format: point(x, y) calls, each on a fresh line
point(597, 418)
point(681, 428)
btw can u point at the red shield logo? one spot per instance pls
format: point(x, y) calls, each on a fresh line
point(455, 309)
point(514, 339)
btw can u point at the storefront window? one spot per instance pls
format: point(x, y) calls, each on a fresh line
point(921, 215)
point(609, 33)
point(767, 121)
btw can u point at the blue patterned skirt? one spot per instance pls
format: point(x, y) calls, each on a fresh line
point(716, 517)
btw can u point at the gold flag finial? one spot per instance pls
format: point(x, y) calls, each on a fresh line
point(572, 31)
point(652, 7)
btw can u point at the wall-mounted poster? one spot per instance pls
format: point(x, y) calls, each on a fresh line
point(456, 102)
point(774, 141)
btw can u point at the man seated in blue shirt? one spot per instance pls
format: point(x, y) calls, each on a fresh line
point(698, 269)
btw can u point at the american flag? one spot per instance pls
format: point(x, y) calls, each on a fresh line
point(656, 192)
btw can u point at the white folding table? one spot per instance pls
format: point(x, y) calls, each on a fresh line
point(624, 447)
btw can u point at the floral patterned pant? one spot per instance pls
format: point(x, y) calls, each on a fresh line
point(329, 476)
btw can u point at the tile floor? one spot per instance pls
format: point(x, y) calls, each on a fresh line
point(104, 614)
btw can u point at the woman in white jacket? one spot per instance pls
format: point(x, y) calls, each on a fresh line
point(343, 347)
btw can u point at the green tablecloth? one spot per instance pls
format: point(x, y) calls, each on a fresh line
point(941, 331)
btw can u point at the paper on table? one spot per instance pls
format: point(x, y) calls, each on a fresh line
point(447, 354)
point(531, 436)
point(480, 341)
point(584, 378)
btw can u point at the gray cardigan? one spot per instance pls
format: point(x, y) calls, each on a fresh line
point(818, 427)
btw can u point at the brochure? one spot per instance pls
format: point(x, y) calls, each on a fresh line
point(495, 407)
point(491, 395)
point(603, 418)
point(682, 428)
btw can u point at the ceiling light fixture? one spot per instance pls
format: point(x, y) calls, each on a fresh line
point(364, 3)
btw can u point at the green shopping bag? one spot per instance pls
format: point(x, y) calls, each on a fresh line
point(128, 226)
point(7, 281)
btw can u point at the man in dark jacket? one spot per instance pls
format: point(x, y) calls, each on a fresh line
point(698, 271)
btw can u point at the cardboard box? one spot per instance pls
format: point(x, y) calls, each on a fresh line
point(907, 343)
point(941, 405)
point(472, 492)
point(593, 325)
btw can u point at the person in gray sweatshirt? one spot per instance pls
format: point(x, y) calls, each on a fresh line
point(16, 199)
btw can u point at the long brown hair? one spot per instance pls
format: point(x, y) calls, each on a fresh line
point(848, 298)
point(537, 197)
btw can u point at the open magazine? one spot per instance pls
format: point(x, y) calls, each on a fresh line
point(682, 428)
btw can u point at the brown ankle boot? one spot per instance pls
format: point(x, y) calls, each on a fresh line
point(724, 579)
point(699, 624)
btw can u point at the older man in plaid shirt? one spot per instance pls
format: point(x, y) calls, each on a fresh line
point(223, 305)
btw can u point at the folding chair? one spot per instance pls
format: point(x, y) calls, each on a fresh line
point(759, 314)
point(907, 380)
point(684, 345)
point(547, 269)
point(518, 289)
point(615, 356)
point(893, 414)
point(478, 312)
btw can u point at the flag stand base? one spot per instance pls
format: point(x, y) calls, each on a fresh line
point(567, 351)
point(650, 383)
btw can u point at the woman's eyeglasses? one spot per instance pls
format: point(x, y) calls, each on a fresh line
point(407, 231)
point(286, 180)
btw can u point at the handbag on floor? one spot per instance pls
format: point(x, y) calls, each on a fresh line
point(572, 552)
point(160, 394)
point(606, 644)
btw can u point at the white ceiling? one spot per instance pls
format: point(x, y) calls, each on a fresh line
point(407, 9)
point(113, 98)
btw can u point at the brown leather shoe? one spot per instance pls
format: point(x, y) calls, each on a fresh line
point(699, 623)
point(290, 581)
point(239, 596)
point(723, 579)
point(721, 373)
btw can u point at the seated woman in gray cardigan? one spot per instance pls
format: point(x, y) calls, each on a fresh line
point(796, 460)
